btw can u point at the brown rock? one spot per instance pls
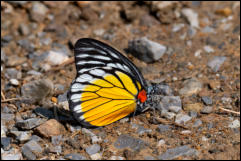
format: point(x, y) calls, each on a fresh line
point(193, 107)
point(224, 12)
point(51, 128)
point(214, 84)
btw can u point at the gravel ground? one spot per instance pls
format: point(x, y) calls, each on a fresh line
point(189, 50)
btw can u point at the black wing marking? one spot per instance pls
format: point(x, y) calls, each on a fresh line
point(91, 54)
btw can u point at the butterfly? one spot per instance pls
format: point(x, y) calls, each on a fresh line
point(107, 86)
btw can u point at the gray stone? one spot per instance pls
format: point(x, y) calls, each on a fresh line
point(124, 141)
point(7, 117)
point(197, 123)
point(94, 138)
point(207, 110)
point(38, 11)
point(93, 149)
point(171, 154)
point(191, 16)
point(26, 44)
point(29, 123)
point(191, 86)
point(12, 154)
point(12, 73)
point(21, 136)
point(56, 149)
point(146, 50)
point(192, 114)
point(171, 103)
point(207, 100)
point(141, 130)
point(37, 90)
point(182, 118)
point(45, 41)
point(5, 143)
point(166, 114)
point(75, 156)
point(30, 148)
point(162, 89)
point(163, 128)
point(55, 140)
point(216, 62)
point(36, 138)
point(208, 29)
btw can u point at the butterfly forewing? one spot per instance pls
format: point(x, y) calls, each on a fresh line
point(106, 85)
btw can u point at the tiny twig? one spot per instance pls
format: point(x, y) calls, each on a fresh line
point(231, 111)
point(3, 96)
point(10, 99)
point(75, 133)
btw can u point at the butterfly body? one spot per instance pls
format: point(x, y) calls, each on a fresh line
point(107, 86)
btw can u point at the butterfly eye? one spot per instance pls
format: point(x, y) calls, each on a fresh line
point(107, 86)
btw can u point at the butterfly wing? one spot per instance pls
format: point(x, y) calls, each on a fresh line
point(106, 85)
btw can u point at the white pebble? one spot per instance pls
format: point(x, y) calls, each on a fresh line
point(14, 82)
point(234, 124)
point(161, 142)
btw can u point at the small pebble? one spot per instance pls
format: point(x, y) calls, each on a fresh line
point(182, 118)
point(5, 143)
point(177, 27)
point(192, 114)
point(234, 124)
point(96, 156)
point(197, 107)
point(14, 82)
point(56, 58)
point(208, 49)
point(29, 123)
point(186, 132)
point(207, 110)
point(116, 158)
point(191, 86)
point(93, 149)
point(191, 16)
point(12, 154)
point(197, 123)
point(216, 63)
point(30, 148)
point(146, 50)
point(124, 141)
point(163, 128)
point(171, 103)
point(161, 142)
point(207, 100)
point(176, 152)
point(75, 156)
